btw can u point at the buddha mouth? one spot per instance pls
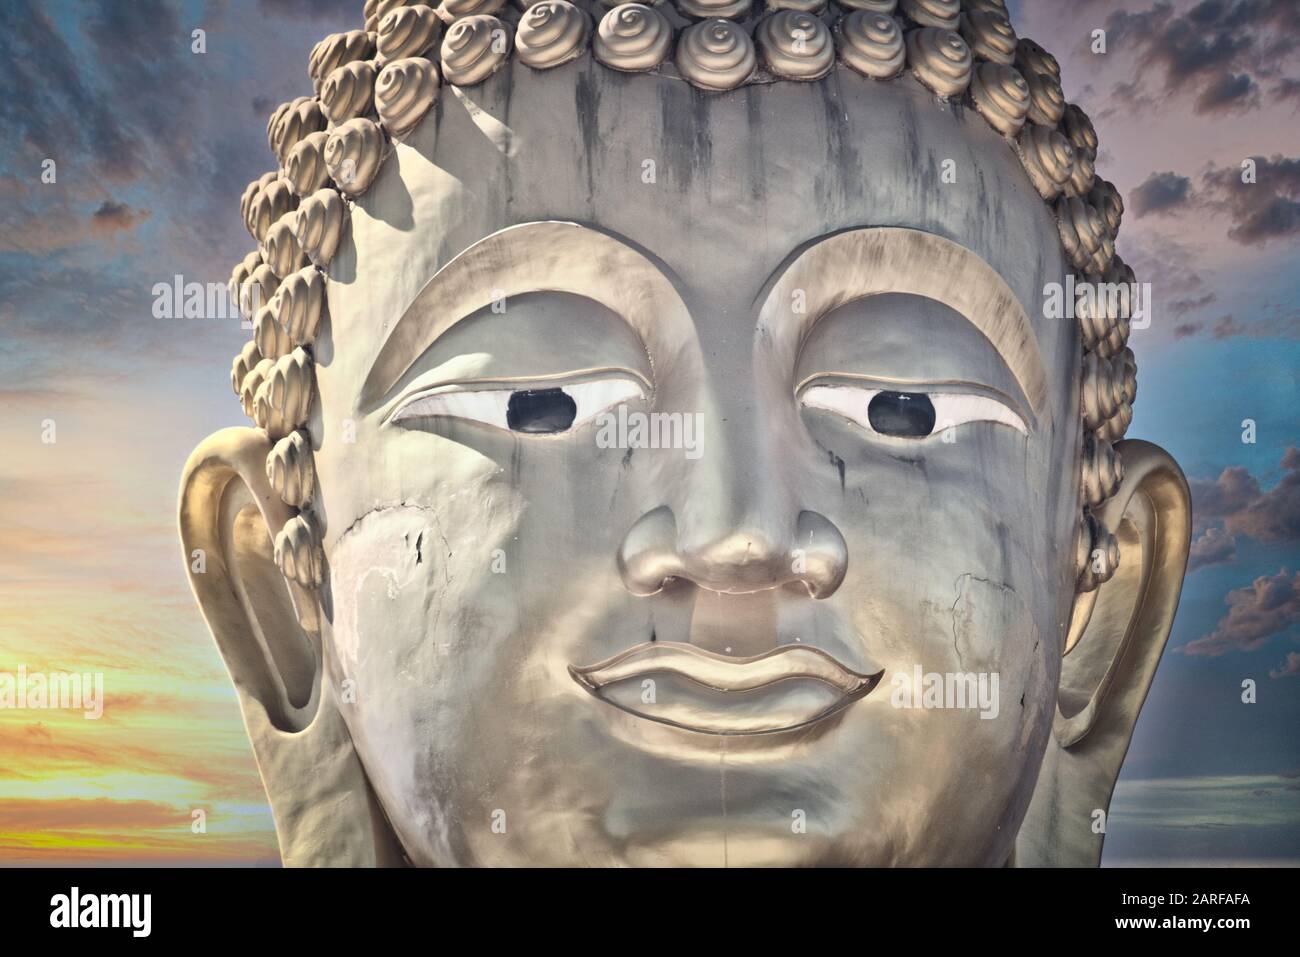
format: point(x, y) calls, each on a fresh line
point(681, 684)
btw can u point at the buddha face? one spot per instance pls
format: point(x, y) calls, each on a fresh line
point(569, 641)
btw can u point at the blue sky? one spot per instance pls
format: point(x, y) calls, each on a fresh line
point(154, 145)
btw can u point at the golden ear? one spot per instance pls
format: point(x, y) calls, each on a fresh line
point(268, 629)
point(1117, 634)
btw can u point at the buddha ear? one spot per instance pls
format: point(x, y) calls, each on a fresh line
point(1117, 634)
point(268, 630)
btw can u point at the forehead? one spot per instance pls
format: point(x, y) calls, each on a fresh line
point(721, 190)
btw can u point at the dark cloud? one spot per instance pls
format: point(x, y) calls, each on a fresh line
point(1267, 607)
point(113, 217)
point(49, 108)
point(1275, 326)
point(1225, 327)
point(154, 144)
point(1182, 46)
point(1160, 193)
point(1227, 91)
point(1126, 96)
point(1213, 547)
point(1287, 88)
point(1180, 307)
point(1279, 217)
point(1215, 52)
point(1236, 500)
point(1263, 210)
point(313, 9)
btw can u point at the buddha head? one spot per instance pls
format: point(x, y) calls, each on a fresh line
point(666, 451)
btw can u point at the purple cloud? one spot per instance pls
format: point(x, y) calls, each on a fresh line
point(1236, 500)
point(1290, 667)
point(1267, 607)
point(1160, 193)
point(1214, 547)
point(1263, 210)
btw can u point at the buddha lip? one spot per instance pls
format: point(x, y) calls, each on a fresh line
point(729, 676)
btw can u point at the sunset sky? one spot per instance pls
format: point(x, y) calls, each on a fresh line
point(154, 145)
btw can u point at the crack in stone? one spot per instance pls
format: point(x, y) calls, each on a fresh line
point(959, 586)
point(379, 508)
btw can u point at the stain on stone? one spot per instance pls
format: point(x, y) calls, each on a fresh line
point(839, 466)
point(702, 132)
point(586, 100)
point(507, 166)
point(917, 462)
point(754, 114)
point(675, 123)
point(839, 144)
point(1004, 551)
point(911, 142)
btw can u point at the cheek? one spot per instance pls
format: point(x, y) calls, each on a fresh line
point(397, 577)
point(425, 652)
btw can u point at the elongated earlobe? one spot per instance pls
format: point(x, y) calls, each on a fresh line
point(268, 629)
point(1116, 638)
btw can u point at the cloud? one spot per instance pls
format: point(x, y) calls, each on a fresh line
point(1267, 607)
point(1160, 193)
point(1231, 819)
point(113, 217)
point(1236, 499)
point(1273, 516)
point(1260, 211)
point(1290, 668)
point(89, 814)
point(1180, 307)
point(1212, 53)
point(1229, 90)
point(1278, 326)
point(1287, 89)
point(38, 751)
point(46, 89)
point(1230, 493)
point(313, 9)
point(1213, 547)
point(108, 830)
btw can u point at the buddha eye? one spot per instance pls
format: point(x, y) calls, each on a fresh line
point(910, 415)
point(901, 413)
point(533, 409)
point(540, 410)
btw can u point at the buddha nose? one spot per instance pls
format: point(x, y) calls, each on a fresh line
point(745, 558)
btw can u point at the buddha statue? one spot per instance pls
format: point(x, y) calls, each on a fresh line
point(657, 419)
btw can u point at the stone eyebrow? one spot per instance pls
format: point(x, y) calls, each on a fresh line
point(859, 263)
point(528, 258)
